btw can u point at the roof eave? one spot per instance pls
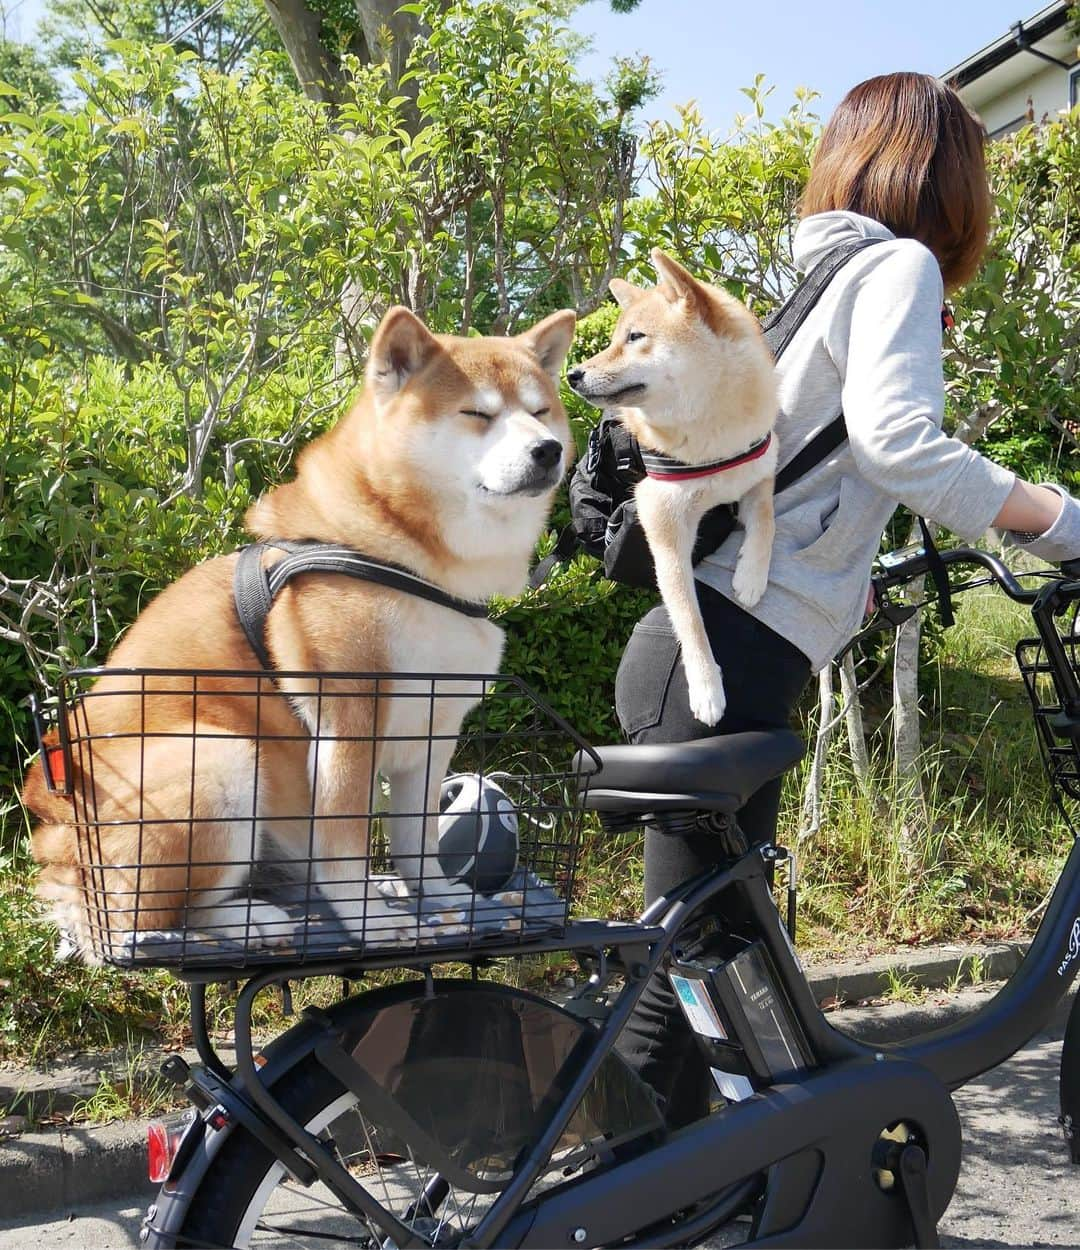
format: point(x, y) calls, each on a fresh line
point(1005, 48)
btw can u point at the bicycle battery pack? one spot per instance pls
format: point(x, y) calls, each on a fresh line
point(742, 1020)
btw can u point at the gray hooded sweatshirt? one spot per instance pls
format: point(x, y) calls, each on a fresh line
point(872, 349)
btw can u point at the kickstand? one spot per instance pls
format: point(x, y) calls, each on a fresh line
point(911, 1174)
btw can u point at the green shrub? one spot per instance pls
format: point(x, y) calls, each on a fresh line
point(565, 639)
point(90, 511)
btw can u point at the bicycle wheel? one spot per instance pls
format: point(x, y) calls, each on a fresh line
point(472, 1067)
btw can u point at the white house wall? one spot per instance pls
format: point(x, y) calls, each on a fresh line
point(1048, 88)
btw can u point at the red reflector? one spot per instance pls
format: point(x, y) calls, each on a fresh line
point(163, 1139)
point(54, 757)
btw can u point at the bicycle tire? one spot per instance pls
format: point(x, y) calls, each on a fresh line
point(222, 1203)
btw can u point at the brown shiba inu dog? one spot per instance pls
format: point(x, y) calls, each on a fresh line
point(446, 464)
point(690, 375)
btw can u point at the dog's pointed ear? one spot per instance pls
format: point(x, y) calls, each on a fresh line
point(401, 347)
point(680, 283)
point(624, 293)
point(549, 340)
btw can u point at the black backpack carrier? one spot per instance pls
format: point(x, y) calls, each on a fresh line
point(604, 518)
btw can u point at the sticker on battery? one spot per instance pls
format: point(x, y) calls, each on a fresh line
point(697, 1007)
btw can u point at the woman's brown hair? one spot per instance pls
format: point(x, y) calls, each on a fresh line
point(905, 150)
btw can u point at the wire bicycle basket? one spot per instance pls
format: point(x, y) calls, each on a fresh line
point(1057, 726)
point(230, 819)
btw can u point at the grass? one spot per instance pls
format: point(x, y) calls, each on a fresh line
point(981, 861)
point(876, 876)
point(136, 1091)
point(970, 971)
point(900, 988)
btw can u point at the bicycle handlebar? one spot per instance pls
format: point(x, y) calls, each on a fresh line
point(899, 567)
point(1056, 594)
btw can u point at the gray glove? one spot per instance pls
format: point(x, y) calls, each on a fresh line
point(1062, 540)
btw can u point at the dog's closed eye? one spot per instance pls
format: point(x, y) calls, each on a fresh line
point(474, 412)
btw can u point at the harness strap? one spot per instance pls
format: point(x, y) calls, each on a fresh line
point(252, 597)
point(255, 587)
point(938, 574)
point(668, 469)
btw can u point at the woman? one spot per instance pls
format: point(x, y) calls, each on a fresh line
point(901, 161)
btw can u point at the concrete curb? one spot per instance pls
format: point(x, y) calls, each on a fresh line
point(64, 1169)
point(59, 1170)
point(897, 1022)
point(854, 980)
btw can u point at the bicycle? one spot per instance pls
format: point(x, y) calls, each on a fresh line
point(458, 1112)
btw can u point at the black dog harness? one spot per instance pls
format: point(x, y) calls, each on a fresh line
point(255, 587)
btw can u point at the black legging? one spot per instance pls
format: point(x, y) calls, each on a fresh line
point(764, 675)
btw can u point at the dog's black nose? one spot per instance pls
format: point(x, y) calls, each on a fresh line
point(575, 375)
point(546, 452)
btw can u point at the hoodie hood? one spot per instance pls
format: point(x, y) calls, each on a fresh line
point(817, 235)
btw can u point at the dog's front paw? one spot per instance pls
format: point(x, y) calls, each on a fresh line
point(706, 692)
point(750, 580)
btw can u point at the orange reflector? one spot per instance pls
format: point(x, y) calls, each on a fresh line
point(54, 757)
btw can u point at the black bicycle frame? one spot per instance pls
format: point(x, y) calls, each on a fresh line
point(701, 1159)
point(716, 1154)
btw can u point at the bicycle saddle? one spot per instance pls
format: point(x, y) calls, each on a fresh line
point(709, 774)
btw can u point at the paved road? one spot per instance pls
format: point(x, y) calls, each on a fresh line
point(1016, 1188)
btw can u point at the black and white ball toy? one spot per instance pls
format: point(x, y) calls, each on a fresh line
point(478, 832)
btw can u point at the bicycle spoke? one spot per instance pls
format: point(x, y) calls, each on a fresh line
point(373, 1155)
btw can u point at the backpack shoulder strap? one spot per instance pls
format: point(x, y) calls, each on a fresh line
point(780, 328)
point(822, 445)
